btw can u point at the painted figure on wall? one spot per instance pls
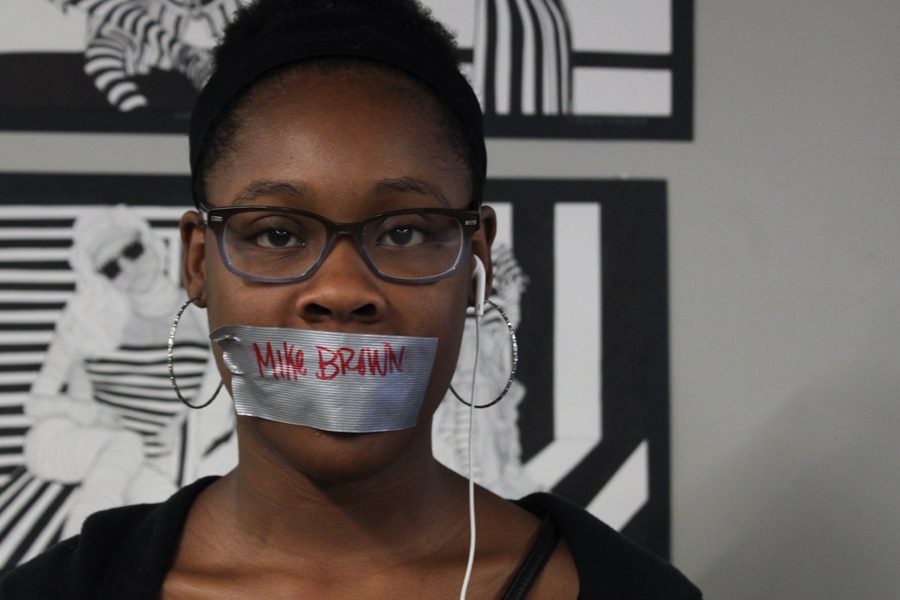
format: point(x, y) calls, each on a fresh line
point(107, 429)
point(126, 38)
point(497, 447)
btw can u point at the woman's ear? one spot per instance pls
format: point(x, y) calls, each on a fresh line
point(481, 247)
point(193, 243)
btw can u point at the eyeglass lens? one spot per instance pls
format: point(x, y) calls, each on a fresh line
point(285, 245)
point(111, 268)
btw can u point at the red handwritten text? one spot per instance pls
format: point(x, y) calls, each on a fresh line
point(286, 363)
point(379, 362)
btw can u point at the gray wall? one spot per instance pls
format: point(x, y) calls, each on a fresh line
point(785, 279)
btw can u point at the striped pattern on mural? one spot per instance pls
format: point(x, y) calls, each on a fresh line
point(35, 284)
point(522, 57)
point(134, 382)
point(130, 37)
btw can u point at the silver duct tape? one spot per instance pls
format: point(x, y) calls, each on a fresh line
point(344, 382)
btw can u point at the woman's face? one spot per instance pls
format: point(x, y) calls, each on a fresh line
point(346, 145)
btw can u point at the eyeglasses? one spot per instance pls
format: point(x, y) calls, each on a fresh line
point(272, 244)
point(111, 268)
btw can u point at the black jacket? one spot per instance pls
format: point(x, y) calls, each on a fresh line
point(125, 553)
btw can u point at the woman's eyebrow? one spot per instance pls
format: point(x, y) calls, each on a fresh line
point(411, 184)
point(271, 188)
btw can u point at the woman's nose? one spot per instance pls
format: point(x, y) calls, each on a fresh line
point(343, 289)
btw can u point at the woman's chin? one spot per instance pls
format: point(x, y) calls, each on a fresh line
point(330, 456)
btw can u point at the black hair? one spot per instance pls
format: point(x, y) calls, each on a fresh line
point(405, 21)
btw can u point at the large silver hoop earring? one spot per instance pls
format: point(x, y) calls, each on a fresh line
point(514, 346)
point(170, 361)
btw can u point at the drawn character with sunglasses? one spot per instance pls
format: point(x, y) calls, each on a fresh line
point(107, 430)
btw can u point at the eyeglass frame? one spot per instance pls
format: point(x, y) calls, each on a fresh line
point(217, 217)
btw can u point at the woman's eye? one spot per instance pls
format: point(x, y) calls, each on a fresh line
point(277, 238)
point(405, 235)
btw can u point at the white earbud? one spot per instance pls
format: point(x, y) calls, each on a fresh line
point(480, 278)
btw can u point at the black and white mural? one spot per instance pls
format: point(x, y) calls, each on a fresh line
point(542, 68)
point(89, 266)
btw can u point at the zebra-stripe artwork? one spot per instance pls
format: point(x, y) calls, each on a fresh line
point(522, 55)
point(541, 68)
point(130, 37)
point(88, 289)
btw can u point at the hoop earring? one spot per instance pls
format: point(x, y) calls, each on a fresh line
point(170, 361)
point(514, 346)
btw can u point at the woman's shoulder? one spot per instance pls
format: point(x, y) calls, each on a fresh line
point(79, 564)
point(608, 564)
point(123, 550)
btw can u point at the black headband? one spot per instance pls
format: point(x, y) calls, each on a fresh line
point(269, 51)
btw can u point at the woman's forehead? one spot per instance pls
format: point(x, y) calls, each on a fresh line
point(356, 129)
point(356, 88)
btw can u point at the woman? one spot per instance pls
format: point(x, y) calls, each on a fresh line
point(319, 115)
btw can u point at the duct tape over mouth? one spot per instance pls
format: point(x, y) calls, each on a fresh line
point(342, 382)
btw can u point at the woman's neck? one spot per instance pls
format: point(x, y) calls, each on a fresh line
point(412, 509)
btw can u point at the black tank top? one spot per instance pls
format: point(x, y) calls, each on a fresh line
point(533, 564)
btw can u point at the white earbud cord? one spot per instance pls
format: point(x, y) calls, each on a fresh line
point(471, 561)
